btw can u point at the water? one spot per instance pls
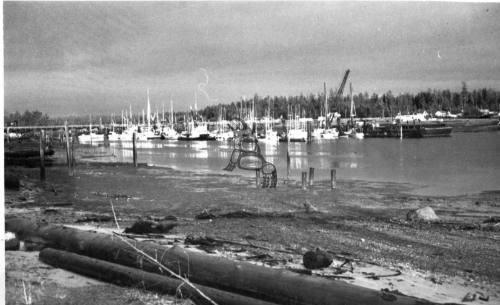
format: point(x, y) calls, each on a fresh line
point(460, 164)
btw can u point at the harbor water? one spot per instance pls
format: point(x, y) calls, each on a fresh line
point(460, 164)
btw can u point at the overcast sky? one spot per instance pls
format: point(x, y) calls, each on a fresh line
point(87, 57)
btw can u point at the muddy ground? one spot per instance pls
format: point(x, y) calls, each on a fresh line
point(362, 221)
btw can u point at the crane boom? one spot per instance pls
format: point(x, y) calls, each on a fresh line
point(344, 80)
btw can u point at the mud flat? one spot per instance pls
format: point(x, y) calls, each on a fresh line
point(363, 225)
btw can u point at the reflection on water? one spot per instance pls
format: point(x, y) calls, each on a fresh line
point(461, 163)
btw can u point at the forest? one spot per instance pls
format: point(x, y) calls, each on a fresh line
point(466, 102)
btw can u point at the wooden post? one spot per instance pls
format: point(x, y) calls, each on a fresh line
point(309, 132)
point(311, 176)
point(68, 152)
point(333, 178)
point(106, 137)
point(304, 180)
point(42, 155)
point(257, 178)
point(134, 150)
point(7, 135)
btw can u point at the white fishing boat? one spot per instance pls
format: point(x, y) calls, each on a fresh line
point(355, 130)
point(168, 133)
point(91, 137)
point(196, 131)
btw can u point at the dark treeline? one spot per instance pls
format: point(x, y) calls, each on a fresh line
point(385, 105)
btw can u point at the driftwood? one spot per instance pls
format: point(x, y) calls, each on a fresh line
point(273, 285)
point(127, 276)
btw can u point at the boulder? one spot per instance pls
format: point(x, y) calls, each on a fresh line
point(317, 259)
point(423, 214)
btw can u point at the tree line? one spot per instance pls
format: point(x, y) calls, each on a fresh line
point(385, 105)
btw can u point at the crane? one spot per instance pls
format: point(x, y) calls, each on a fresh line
point(339, 93)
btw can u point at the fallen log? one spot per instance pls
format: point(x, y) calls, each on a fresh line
point(127, 276)
point(273, 285)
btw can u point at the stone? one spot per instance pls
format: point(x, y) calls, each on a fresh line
point(423, 214)
point(317, 259)
point(469, 297)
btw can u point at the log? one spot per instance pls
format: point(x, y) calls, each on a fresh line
point(273, 285)
point(127, 276)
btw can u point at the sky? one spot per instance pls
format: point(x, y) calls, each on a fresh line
point(73, 58)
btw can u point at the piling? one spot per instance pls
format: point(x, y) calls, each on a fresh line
point(257, 178)
point(333, 178)
point(309, 132)
point(134, 150)
point(106, 138)
point(8, 137)
point(42, 155)
point(304, 180)
point(311, 176)
point(68, 152)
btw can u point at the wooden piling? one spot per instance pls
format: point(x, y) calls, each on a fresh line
point(42, 155)
point(68, 152)
point(257, 178)
point(134, 150)
point(304, 180)
point(309, 132)
point(106, 138)
point(311, 176)
point(333, 178)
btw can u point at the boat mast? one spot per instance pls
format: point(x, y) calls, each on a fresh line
point(353, 108)
point(148, 111)
point(326, 106)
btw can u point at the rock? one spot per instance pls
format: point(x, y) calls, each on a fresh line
point(309, 207)
point(12, 244)
point(423, 214)
point(317, 259)
point(146, 226)
point(12, 182)
point(482, 296)
point(469, 297)
point(205, 215)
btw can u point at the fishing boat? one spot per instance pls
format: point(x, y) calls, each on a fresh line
point(196, 131)
point(168, 132)
point(91, 137)
point(270, 135)
point(324, 131)
point(355, 131)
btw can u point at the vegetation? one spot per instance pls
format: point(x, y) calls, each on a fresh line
point(385, 105)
